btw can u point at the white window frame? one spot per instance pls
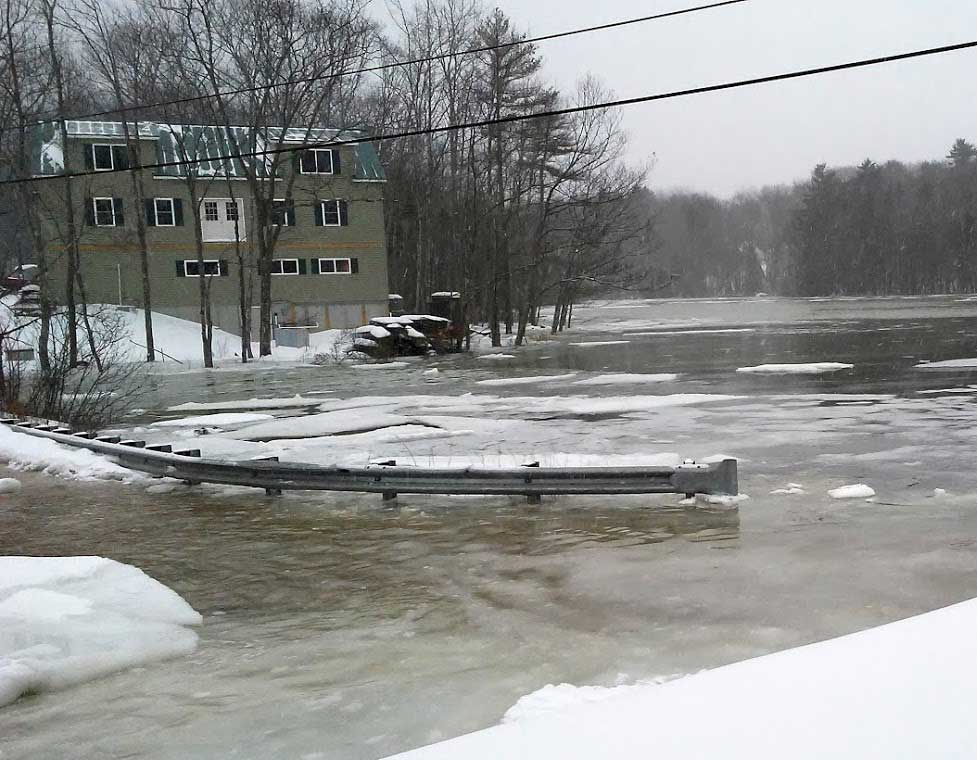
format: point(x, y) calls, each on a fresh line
point(186, 272)
point(95, 201)
point(317, 151)
point(156, 212)
point(339, 213)
point(281, 266)
point(285, 210)
point(349, 265)
point(111, 166)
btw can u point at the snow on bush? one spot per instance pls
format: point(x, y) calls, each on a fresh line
point(66, 620)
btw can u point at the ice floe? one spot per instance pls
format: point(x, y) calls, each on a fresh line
point(857, 491)
point(949, 364)
point(627, 379)
point(10, 485)
point(227, 419)
point(596, 343)
point(527, 380)
point(382, 365)
point(66, 620)
point(287, 402)
point(813, 368)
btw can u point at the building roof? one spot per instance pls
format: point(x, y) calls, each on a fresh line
point(177, 142)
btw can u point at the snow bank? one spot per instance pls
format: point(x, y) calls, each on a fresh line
point(627, 379)
point(527, 380)
point(226, 419)
point(65, 620)
point(903, 690)
point(815, 368)
point(858, 491)
point(25, 452)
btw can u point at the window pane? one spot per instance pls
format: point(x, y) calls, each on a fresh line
point(211, 267)
point(164, 212)
point(279, 213)
point(231, 209)
point(309, 162)
point(104, 212)
point(342, 266)
point(327, 266)
point(103, 156)
point(290, 266)
point(276, 266)
point(323, 161)
point(191, 268)
point(210, 211)
point(330, 212)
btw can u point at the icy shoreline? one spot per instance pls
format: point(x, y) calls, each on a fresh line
point(903, 690)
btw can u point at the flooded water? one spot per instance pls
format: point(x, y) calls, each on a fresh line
point(336, 628)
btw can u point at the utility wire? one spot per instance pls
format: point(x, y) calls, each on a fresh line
point(536, 115)
point(400, 64)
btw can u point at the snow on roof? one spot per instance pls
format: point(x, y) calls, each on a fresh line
point(446, 294)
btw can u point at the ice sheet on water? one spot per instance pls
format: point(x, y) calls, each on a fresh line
point(627, 379)
point(495, 357)
point(65, 620)
point(857, 491)
point(500, 381)
point(844, 698)
point(226, 419)
point(812, 368)
point(293, 402)
point(949, 364)
point(382, 366)
point(596, 343)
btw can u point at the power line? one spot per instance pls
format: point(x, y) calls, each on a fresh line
point(400, 64)
point(536, 115)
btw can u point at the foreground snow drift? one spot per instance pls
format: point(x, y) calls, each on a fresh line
point(65, 620)
point(904, 690)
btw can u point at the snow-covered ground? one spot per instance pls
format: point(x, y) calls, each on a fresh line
point(66, 620)
point(900, 691)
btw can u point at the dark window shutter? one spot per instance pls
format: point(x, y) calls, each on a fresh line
point(178, 212)
point(343, 213)
point(120, 219)
point(302, 266)
point(150, 212)
point(120, 157)
point(315, 266)
point(222, 267)
point(90, 210)
point(290, 216)
point(336, 164)
point(89, 156)
point(354, 266)
point(180, 269)
point(318, 214)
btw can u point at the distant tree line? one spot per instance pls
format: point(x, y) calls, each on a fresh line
point(866, 230)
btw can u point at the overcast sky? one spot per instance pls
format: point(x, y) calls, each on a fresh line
point(772, 133)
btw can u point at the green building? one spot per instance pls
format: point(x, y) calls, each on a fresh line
point(330, 262)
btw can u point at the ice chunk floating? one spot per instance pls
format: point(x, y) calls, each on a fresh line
point(66, 620)
point(904, 690)
point(815, 368)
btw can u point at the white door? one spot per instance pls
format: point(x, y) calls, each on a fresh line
point(222, 220)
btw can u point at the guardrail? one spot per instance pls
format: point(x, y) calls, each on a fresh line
point(388, 479)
